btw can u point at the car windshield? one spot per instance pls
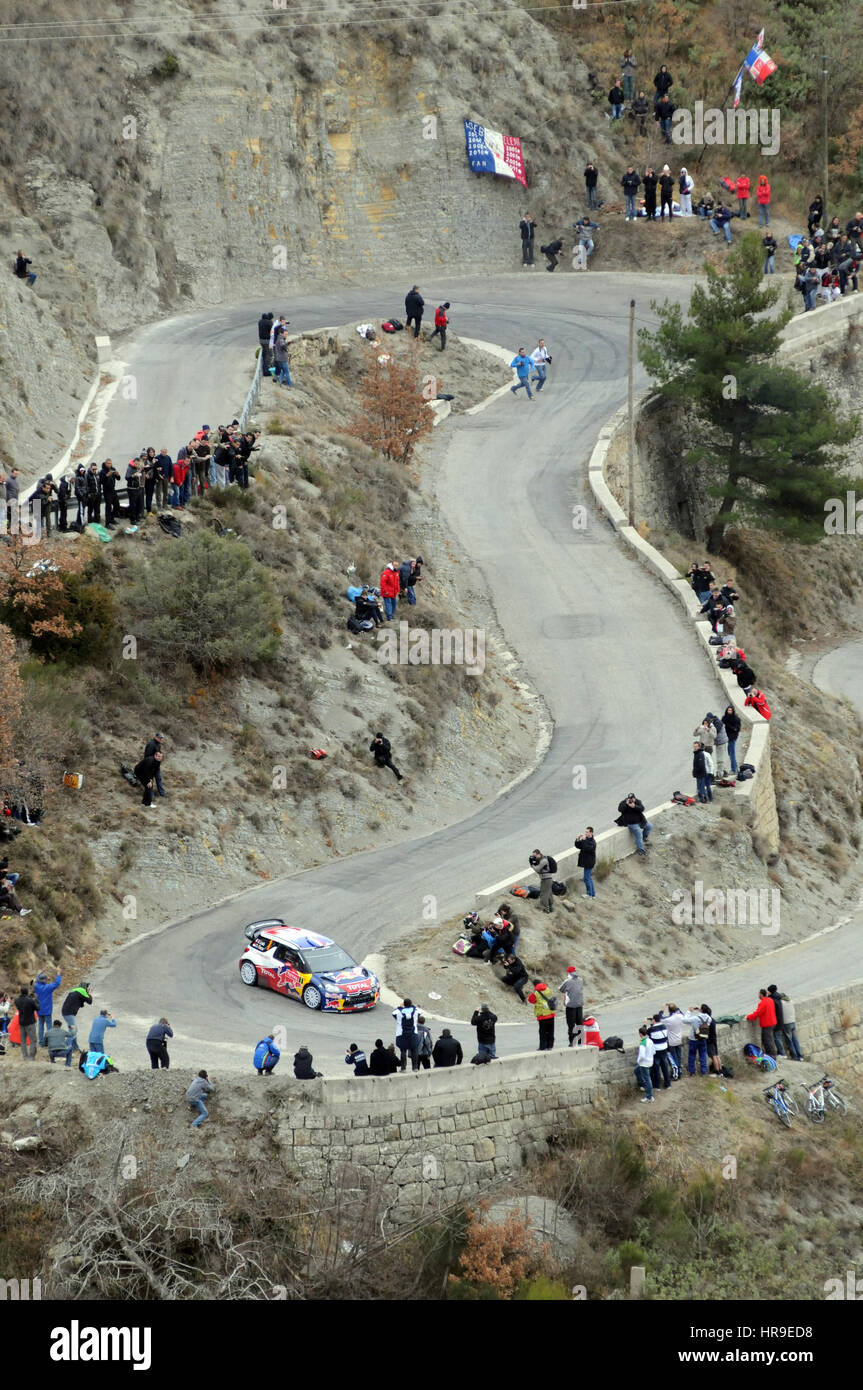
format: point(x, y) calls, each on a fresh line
point(328, 958)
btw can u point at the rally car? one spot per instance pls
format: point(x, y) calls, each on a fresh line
point(306, 966)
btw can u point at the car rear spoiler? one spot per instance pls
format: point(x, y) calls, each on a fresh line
point(253, 928)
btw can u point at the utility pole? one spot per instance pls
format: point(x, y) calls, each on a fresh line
point(824, 151)
point(631, 487)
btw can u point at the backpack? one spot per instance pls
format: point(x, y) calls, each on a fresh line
point(552, 863)
point(170, 525)
point(425, 1047)
point(518, 891)
point(612, 1045)
point(744, 774)
point(726, 1071)
point(359, 624)
point(408, 1024)
point(702, 1032)
point(726, 782)
point(715, 640)
point(388, 327)
point(317, 753)
point(680, 800)
point(396, 325)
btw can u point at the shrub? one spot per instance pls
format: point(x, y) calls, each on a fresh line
point(394, 414)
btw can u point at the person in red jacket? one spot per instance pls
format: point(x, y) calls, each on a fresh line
point(762, 193)
point(179, 473)
point(765, 1016)
point(390, 587)
point(440, 324)
point(742, 195)
point(758, 700)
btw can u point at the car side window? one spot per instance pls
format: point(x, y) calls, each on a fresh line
point(280, 953)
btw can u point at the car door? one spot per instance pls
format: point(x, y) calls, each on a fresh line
point(289, 971)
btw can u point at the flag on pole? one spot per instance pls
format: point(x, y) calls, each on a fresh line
point(489, 152)
point(762, 67)
point(759, 42)
point(738, 84)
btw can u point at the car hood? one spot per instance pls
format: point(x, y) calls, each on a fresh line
point(354, 977)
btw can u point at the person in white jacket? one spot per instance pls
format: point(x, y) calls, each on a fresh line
point(699, 1021)
point(686, 184)
point(675, 1025)
point(643, 1064)
point(540, 357)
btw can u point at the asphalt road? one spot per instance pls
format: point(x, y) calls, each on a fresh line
point(840, 672)
point(604, 643)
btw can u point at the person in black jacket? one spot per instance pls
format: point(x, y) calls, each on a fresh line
point(650, 181)
point(663, 112)
point(615, 101)
point(591, 175)
point(483, 1021)
point(447, 1050)
point(666, 193)
point(265, 323)
point(382, 750)
point(75, 1000)
point(769, 244)
point(382, 1062)
point(745, 675)
point(303, 1069)
point(527, 227)
point(94, 494)
point(816, 212)
point(701, 771)
point(108, 480)
point(731, 720)
point(28, 1013)
point(631, 182)
point(157, 1044)
point(151, 748)
point(63, 492)
point(585, 843)
point(631, 815)
point(551, 253)
point(640, 109)
point(414, 305)
point(662, 82)
point(134, 492)
point(515, 975)
point(145, 771)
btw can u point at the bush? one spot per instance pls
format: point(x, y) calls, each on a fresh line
point(207, 602)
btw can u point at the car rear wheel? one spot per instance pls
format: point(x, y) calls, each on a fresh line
point(248, 973)
point(312, 997)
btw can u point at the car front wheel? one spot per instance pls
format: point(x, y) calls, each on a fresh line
point(312, 997)
point(248, 973)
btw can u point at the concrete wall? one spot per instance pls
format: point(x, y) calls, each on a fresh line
point(434, 1136)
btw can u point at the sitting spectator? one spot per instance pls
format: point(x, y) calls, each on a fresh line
point(721, 221)
point(705, 205)
point(515, 975)
point(701, 578)
point(745, 674)
point(303, 1069)
point(447, 1050)
point(367, 606)
point(59, 1042)
point(22, 269)
point(383, 1060)
point(631, 815)
point(9, 898)
point(356, 1058)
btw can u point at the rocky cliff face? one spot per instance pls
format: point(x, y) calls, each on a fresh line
point(167, 162)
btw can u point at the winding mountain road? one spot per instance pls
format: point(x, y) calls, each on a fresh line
point(585, 619)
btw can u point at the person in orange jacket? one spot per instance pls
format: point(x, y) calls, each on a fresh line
point(765, 1017)
point(440, 324)
point(544, 1012)
point(742, 195)
point(762, 193)
point(390, 587)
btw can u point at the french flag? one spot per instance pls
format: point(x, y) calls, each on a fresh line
point(761, 67)
point(489, 152)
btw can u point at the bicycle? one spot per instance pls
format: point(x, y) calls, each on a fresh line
point(824, 1096)
point(782, 1101)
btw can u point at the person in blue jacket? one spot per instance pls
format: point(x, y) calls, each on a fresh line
point(45, 999)
point(356, 1058)
point(94, 1064)
point(266, 1056)
point(523, 367)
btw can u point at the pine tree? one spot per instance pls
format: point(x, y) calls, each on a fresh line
point(767, 439)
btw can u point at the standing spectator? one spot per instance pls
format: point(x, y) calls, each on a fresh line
point(789, 1025)
point(769, 244)
point(382, 749)
point(705, 732)
point(762, 196)
point(281, 359)
point(406, 572)
point(615, 100)
point(628, 64)
point(631, 814)
point(424, 1050)
point(58, 1041)
point(631, 182)
point(720, 744)
point(779, 1008)
point(303, 1068)
point(157, 1044)
point(356, 1058)
point(540, 357)
point(743, 196)
point(447, 1050)
point(42, 500)
point(93, 501)
point(200, 1087)
point(134, 492)
point(699, 1030)
point(764, 1015)
point(12, 491)
point(644, 1064)
point(266, 1056)
point(164, 477)
point(640, 110)
point(527, 228)
point(658, 1034)
point(650, 181)
point(202, 455)
point(148, 474)
point(440, 324)
point(662, 84)
point(522, 364)
point(544, 1012)
point(150, 750)
point(545, 866)
point(28, 1012)
point(265, 323)
point(721, 221)
point(22, 269)
point(45, 999)
point(551, 253)
point(180, 476)
point(702, 771)
point(382, 1061)
point(145, 771)
point(81, 496)
point(585, 843)
point(483, 1021)
point(75, 1000)
point(101, 1023)
point(572, 990)
point(407, 1033)
point(675, 1024)
point(663, 112)
point(591, 176)
point(731, 723)
point(108, 480)
point(816, 212)
point(414, 305)
point(686, 184)
point(666, 193)
point(390, 588)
